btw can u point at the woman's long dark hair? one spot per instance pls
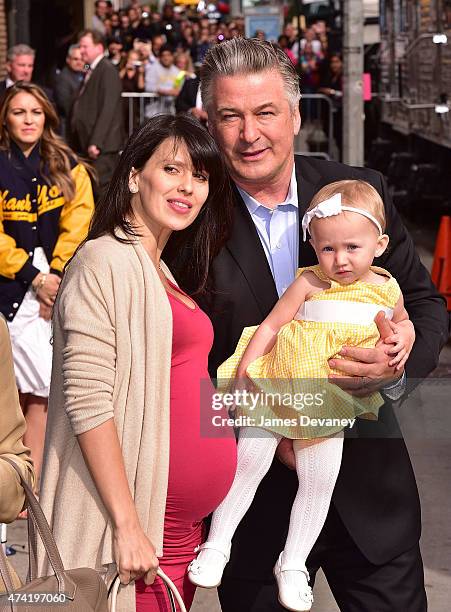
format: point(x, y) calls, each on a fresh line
point(190, 251)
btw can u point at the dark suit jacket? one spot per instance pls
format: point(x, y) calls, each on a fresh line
point(376, 494)
point(97, 112)
point(67, 85)
point(187, 96)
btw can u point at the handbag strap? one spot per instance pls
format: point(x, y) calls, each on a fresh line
point(65, 584)
point(4, 572)
point(172, 590)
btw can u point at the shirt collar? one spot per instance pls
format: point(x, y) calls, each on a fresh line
point(32, 161)
point(292, 196)
point(95, 63)
point(9, 83)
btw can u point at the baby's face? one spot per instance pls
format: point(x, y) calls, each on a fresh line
point(346, 245)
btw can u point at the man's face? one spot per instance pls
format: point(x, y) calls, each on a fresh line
point(20, 68)
point(101, 9)
point(89, 51)
point(75, 61)
point(254, 125)
point(166, 59)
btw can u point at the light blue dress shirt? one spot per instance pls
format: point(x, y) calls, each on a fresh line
point(278, 231)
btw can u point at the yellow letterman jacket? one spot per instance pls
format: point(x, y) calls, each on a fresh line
point(34, 213)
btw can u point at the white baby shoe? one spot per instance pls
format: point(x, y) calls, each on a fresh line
point(207, 569)
point(295, 594)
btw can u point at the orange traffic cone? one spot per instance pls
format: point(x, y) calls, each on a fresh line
point(441, 268)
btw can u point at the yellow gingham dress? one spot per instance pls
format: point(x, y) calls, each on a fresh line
point(298, 362)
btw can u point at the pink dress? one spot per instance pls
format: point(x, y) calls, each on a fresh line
point(201, 467)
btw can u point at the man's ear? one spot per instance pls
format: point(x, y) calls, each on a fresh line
point(296, 121)
point(382, 244)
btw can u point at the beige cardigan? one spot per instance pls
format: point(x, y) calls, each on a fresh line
point(112, 341)
point(12, 429)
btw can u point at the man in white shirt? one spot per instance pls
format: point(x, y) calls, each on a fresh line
point(160, 79)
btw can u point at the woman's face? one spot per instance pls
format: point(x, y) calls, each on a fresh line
point(181, 62)
point(335, 64)
point(171, 192)
point(25, 120)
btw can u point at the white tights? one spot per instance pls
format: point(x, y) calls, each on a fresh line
point(317, 466)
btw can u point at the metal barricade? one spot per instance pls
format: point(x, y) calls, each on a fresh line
point(137, 107)
point(317, 111)
point(138, 110)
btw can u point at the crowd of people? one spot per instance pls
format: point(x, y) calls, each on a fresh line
point(160, 55)
point(195, 258)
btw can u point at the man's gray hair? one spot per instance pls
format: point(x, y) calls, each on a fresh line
point(72, 48)
point(248, 56)
point(20, 50)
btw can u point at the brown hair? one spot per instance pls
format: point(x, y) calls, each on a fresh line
point(356, 193)
point(56, 156)
point(97, 37)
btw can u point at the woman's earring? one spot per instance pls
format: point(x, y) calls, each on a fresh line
point(133, 188)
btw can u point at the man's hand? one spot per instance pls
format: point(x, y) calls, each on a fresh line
point(285, 453)
point(368, 369)
point(93, 151)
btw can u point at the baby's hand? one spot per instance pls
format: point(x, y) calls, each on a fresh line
point(402, 339)
point(241, 386)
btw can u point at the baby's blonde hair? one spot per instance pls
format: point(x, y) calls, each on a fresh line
point(356, 193)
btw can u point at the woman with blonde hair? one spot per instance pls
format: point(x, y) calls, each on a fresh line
point(46, 205)
point(184, 63)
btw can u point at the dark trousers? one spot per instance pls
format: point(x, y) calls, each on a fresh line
point(104, 166)
point(356, 584)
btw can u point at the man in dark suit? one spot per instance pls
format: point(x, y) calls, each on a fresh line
point(189, 100)
point(68, 83)
point(369, 546)
point(19, 66)
point(96, 119)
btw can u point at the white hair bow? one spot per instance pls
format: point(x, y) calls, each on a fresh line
point(331, 207)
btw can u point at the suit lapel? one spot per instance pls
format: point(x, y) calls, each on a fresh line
point(247, 251)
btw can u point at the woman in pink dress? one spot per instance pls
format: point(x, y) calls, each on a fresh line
point(146, 502)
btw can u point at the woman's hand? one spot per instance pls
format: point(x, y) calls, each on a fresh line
point(134, 554)
point(45, 312)
point(46, 287)
point(402, 339)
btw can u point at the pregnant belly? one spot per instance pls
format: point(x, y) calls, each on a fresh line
point(201, 467)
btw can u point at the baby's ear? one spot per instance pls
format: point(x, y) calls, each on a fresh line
point(382, 244)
